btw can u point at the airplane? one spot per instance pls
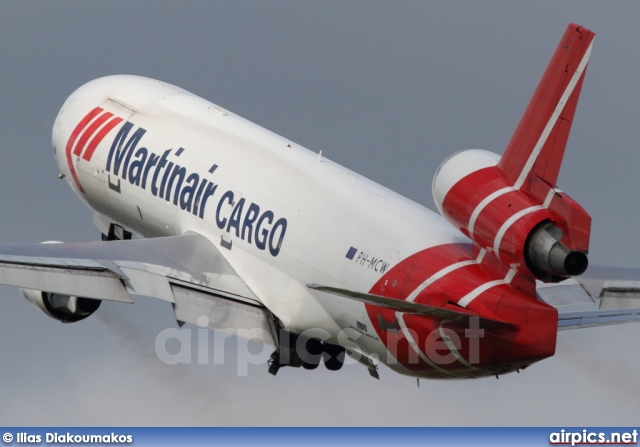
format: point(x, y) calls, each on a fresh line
point(244, 231)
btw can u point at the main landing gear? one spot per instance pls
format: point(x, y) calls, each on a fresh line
point(298, 351)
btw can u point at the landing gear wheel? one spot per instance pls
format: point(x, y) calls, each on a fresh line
point(311, 353)
point(333, 356)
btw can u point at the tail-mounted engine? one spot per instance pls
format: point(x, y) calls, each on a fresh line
point(537, 229)
point(510, 205)
point(65, 308)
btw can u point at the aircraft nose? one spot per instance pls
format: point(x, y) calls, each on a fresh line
point(58, 138)
point(75, 114)
point(95, 109)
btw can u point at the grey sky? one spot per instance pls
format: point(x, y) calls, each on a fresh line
point(386, 89)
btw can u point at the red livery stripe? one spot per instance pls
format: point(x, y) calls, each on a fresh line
point(72, 139)
point(449, 273)
point(90, 131)
point(100, 136)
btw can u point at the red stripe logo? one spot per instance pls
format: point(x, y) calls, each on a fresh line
point(97, 124)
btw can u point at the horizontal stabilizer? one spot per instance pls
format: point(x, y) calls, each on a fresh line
point(461, 316)
point(574, 320)
point(603, 296)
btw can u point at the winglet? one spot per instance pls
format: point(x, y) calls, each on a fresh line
point(537, 145)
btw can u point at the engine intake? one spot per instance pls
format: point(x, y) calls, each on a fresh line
point(64, 308)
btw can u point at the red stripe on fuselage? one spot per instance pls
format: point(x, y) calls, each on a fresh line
point(100, 136)
point(498, 351)
point(88, 133)
point(72, 139)
point(416, 269)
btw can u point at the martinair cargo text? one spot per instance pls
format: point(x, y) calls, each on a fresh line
point(252, 234)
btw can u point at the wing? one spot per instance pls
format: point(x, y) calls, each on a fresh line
point(604, 295)
point(187, 271)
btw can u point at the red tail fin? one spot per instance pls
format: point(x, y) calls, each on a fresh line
point(537, 145)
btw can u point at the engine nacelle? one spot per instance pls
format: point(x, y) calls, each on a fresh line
point(532, 226)
point(64, 308)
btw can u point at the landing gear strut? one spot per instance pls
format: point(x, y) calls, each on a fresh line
point(116, 233)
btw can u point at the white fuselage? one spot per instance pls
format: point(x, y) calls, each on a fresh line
point(282, 215)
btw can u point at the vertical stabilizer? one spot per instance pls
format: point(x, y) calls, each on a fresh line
point(510, 205)
point(537, 145)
